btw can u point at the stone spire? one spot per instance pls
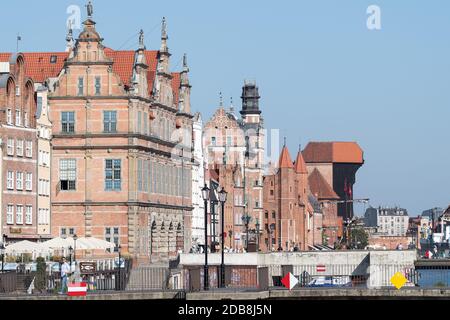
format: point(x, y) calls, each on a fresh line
point(285, 158)
point(185, 88)
point(184, 73)
point(139, 78)
point(164, 36)
point(300, 165)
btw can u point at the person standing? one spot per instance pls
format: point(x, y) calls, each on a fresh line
point(65, 270)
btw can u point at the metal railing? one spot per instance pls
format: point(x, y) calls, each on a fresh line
point(8, 281)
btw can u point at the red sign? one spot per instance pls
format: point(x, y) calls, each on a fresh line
point(320, 268)
point(77, 289)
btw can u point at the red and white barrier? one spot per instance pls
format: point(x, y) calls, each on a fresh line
point(77, 289)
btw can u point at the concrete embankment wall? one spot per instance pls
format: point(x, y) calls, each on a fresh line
point(379, 266)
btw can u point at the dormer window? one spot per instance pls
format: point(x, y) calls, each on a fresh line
point(53, 59)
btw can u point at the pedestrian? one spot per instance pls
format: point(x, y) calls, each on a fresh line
point(65, 270)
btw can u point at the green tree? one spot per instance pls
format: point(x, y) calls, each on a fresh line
point(39, 282)
point(358, 238)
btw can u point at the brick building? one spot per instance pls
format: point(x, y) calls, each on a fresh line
point(234, 151)
point(293, 216)
point(121, 144)
point(19, 149)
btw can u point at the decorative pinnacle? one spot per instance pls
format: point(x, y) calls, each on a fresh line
point(164, 29)
point(221, 98)
point(185, 64)
point(141, 39)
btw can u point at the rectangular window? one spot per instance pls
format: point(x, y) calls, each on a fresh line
point(10, 214)
point(10, 149)
point(68, 122)
point(28, 181)
point(29, 149)
point(67, 174)
point(18, 118)
point(10, 180)
point(9, 116)
point(113, 175)
point(139, 121)
point(29, 215)
point(146, 123)
point(19, 180)
point(63, 232)
point(25, 119)
point(112, 235)
point(109, 121)
point(19, 214)
point(19, 148)
point(145, 176)
point(139, 174)
point(80, 86)
point(97, 85)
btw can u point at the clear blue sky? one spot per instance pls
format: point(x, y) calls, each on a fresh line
point(322, 74)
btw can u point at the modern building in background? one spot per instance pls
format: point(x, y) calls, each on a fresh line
point(18, 166)
point(388, 221)
point(433, 215)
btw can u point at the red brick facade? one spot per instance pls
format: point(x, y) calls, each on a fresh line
point(19, 152)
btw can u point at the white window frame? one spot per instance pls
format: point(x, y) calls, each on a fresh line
point(19, 214)
point(19, 180)
point(29, 148)
point(29, 181)
point(18, 118)
point(10, 214)
point(10, 180)
point(10, 148)
point(29, 215)
point(9, 116)
point(19, 148)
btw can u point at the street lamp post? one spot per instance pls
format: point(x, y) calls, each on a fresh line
point(119, 272)
point(246, 220)
point(257, 234)
point(70, 257)
point(75, 250)
point(272, 229)
point(2, 252)
point(205, 195)
point(222, 199)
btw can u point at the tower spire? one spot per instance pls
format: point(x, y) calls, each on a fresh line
point(220, 99)
point(164, 36)
point(164, 29)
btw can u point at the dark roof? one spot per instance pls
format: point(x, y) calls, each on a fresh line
point(319, 187)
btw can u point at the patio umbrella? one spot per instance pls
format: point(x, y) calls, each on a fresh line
point(25, 246)
point(56, 243)
point(94, 243)
point(82, 243)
